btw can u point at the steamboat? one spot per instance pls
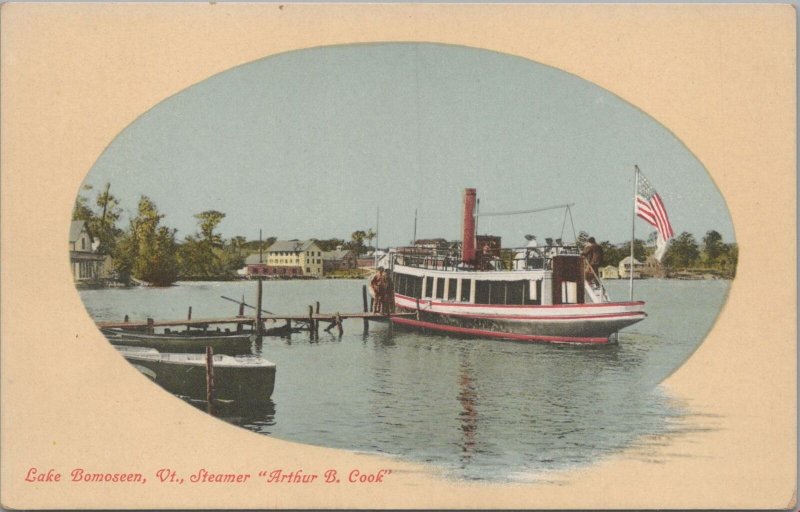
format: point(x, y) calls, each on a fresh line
point(539, 293)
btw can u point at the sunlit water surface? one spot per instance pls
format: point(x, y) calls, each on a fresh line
point(478, 409)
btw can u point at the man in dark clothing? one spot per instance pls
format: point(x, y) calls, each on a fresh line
point(594, 257)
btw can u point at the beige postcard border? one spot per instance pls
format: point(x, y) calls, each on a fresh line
point(721, 77)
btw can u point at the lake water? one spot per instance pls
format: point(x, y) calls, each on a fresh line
point(479, 409)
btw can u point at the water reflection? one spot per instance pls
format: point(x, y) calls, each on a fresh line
point(480, 409)
point(469, 414)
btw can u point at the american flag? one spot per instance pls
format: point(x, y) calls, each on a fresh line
point(650, 207)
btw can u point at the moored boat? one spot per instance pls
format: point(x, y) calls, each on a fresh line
point(544, 293)
point(231, 343)
point(236, 378)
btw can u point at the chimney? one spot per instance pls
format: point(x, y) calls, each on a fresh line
point(468, 227)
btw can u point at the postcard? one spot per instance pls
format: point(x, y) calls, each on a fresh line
point(270, 255)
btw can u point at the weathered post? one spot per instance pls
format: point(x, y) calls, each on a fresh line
point(311, 321)
point(210, 379)
point(339, 324)
point(126, 319)
point(316, 323)
point(258, 307)
point(189, 316)
point(150, 328)
point(366, 307)
point(240, 326)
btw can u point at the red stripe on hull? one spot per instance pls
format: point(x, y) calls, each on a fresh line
point(495, 334)
point(490, 316)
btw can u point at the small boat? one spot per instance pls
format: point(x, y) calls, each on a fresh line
point(236, 378)
point(224, 342)
point(535, 293)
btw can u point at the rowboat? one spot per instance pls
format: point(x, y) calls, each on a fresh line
point(534, 293)
point(231, 343)
point(236, 378)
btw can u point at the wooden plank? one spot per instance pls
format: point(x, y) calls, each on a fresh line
point(245, 320)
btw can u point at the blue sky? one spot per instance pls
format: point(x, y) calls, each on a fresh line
point(312, 143)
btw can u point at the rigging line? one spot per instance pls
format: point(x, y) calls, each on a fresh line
point(572, 223)
point(521, 212)
point(564, 224)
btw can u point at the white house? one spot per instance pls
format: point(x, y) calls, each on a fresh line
point(625, 268)
point(86, 264)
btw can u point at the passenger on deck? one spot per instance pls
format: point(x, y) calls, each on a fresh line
point(594, 257)
point(533, 254)
point(377, 286)
point(382, 289)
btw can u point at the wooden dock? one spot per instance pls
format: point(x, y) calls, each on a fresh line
point(311, 319)
point(246, 320)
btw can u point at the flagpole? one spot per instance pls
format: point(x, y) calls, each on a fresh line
point(633, 225)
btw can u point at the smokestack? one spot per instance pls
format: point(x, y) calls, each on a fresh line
point(468, 227)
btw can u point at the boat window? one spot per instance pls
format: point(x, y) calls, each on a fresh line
point(409, 286)
point(466, 285)
point(451, 289)
point(533, 291)
point(482, 290)
point(440, 288)
point(427, 286)
point(497, 295)
point(414, 286)
point(515, 292)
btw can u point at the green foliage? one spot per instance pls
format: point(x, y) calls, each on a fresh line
point(148, 250)
point(102, 221)
point(253, 245)
point(209, 220)
point(330, 244)
point(357, 243)
point(683, 251)
point(713, 247)
point(206, 255)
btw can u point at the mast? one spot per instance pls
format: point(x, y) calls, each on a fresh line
point(414, 241)
point(377, 236)
point(633, 224)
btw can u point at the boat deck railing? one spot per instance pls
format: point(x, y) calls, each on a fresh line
point(505, 259)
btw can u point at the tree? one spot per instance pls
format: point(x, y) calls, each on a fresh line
point(209, 220)
point(102, 224)
point(683, 251)
point(148, 250)
point(713, 248)
point(81, 210)
point(200, 255)
point(370, 236)
point(357, 244)
point(330, 244)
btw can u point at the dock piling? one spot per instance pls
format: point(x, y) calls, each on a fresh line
point(210, 379)
point(150, 329)
point(366, 307)
point(258, 329)
point(189, 316)
point(126, 319)
point(339, 324)
point(240, 327)
point(311, 321)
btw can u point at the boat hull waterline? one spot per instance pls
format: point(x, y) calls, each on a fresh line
point(573, 323)
point(239, 379)
point(225, 343)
